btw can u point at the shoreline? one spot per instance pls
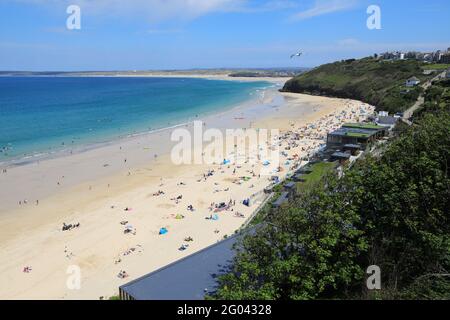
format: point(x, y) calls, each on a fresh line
point(54, 152)
point(31, 235)
point(250, 109)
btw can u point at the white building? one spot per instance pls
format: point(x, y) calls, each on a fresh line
point(412, 82)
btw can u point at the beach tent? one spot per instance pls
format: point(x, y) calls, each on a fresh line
point(266, 163)
point(163, 231)
point(215, 217)
point(225, 161)
point(179, 217)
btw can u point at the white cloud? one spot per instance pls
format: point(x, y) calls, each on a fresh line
point(322, 7)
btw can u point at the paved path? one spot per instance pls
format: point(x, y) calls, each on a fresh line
point(420, 100)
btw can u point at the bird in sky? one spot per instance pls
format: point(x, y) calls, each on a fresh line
point(296, 55)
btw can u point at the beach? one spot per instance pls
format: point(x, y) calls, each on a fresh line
point(116, 199)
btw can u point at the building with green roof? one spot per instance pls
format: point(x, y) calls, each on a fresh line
point(355, 134)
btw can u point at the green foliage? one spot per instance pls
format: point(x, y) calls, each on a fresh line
point(318, 171)
point(428, 287)
point(436, 66)
point(300, 255)
point(390, 211)
point(437, 98)
point(380, 83)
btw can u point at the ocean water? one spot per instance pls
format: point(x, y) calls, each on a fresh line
point(41, 115)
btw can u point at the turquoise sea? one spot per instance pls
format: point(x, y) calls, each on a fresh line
point(43, 114)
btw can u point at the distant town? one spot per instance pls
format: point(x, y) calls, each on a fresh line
point(430, 57)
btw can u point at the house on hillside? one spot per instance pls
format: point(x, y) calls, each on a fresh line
point(412, 82)
point(445, 58)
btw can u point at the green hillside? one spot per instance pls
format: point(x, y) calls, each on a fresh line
point(380, 83)
point(389, 210)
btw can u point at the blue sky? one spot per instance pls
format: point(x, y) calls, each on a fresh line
point(182, 34)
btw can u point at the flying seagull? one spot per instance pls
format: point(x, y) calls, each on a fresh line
point(296, 55)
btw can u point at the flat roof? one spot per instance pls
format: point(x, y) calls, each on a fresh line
point(341, 155)
point(290, 185)
point(281, 199)
point(387, 120)
point(367, 126)
point(354, 132)
point(352, 146)
point(187, 278)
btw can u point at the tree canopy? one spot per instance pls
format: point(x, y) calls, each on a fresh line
point(391, 211)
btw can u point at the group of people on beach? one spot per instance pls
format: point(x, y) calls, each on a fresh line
point(68, 227)
point(25, 201)
point(241, 182)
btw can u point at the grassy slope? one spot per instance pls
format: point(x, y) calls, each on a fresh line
point(318, 170)
point(379, 83)
point(438, 66)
